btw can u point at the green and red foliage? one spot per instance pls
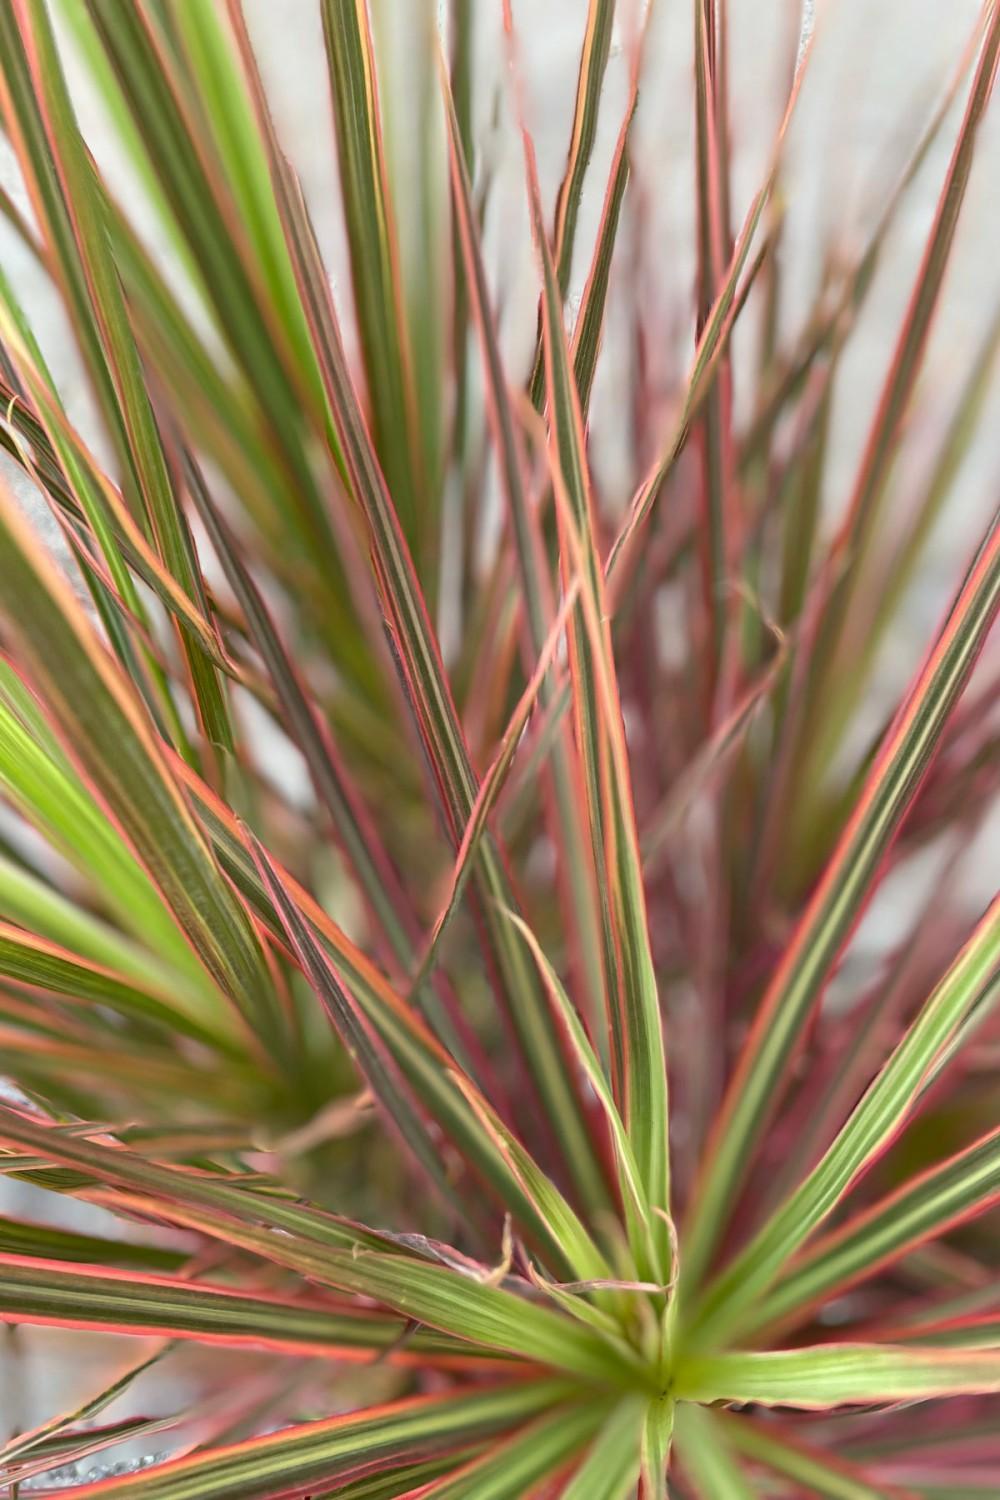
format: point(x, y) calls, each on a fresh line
point(426, 859)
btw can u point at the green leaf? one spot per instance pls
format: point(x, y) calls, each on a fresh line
point(965, 1185)
point(633, 1192)
point(589, 324)
point(536, 588)
point(428, 691)
point(829, 1375)
point(46, 1241)
point(885, 797)
point(79, 239)
point(33, 961)
point(407, 1045)
point(38, 778)
point(872, 1125)
point(705, 1454)
point(639, 1065)
point(821, 1473)
point(85, 1148)
point(856, 530)
point(563, 1227)
point(511, 1468)
point(611, 1467)
point(375, 269)
point(456, 1103)
point(717, 528)
point(257, 425)
point(467, 1308)
point(124, 1302)
point(89, 493)
point(593, 62)
point(218, 88)
point(655, 1448)
point(492, 785)
point(346, 1257)
point(92, 709)
point(303, 1459)
point(190, 182)
point(402, 1480)
point(41, 909)
point(331, 778)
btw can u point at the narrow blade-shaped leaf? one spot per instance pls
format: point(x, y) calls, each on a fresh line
point(873, 1124)
point(706, 1455)
point(340, 1254)
point(512, 1468)
point(425, 684)
point(593, 62)
point(837, 901)
point(109, 338)
point(966, 1185)
point(829, 1375)
point(611, 1468)
point(375, 270)
point(301, 1461)
point(474, 1126)
point(823, 1474)
point(43, 965)
point(92, 709)
point(635, 1020)
point(80, 1296)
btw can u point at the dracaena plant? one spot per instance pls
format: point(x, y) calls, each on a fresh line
point(376, 1057)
